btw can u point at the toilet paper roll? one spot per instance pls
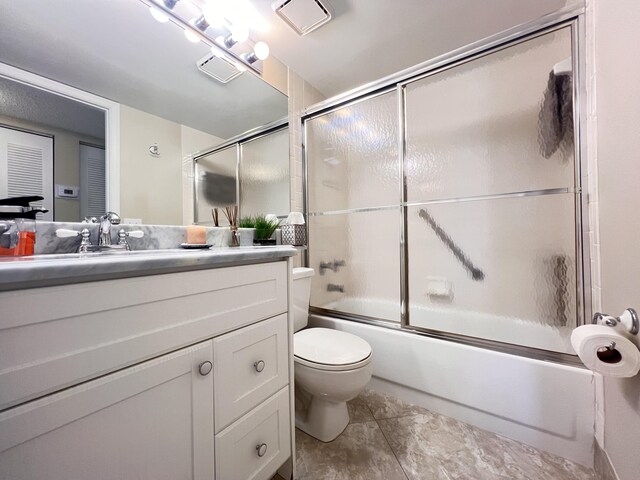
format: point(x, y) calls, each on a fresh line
point(604, 350)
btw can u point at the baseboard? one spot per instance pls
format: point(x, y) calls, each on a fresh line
point(602, 464)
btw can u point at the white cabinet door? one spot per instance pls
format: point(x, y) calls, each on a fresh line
point(151, 421)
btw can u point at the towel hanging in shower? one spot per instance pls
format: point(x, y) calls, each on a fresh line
point(555, 120)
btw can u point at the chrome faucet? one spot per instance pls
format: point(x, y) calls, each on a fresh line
point(335, 288)
point(106, 221)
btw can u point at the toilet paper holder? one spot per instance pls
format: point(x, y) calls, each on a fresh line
point(629, 319)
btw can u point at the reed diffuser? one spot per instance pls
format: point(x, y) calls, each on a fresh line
point(232, 217)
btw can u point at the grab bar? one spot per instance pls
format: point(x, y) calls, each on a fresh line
point(476, 273)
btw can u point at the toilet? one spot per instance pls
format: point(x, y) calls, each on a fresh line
point(331, 367)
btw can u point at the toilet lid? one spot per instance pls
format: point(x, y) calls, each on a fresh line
point(330, 347)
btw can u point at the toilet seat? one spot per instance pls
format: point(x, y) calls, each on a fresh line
point(328, 349)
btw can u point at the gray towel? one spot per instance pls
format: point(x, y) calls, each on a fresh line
point(555, 120)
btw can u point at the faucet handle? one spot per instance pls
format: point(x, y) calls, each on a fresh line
point(65, 233)
point(85, 244)
point(122, 237)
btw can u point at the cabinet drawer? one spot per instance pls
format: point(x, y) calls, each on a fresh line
point(250, 365)
point(55, 337)
point(255, 446)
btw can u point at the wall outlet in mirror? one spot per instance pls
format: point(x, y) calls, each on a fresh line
point(132, 221)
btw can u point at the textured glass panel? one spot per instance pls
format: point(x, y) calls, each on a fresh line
point(352, 156)
point(500, 123)
point(502, 269)
point(216, 184)
point(368, 244)
point(264, 175)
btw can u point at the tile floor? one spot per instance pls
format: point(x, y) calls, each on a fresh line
point(388, 439)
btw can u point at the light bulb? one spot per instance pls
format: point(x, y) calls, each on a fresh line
point(158, 15)
point(239, 33)
point(192, 37)
point(261, 50)
point(212, 12)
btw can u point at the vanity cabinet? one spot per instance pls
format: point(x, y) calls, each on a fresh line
point(178, 376)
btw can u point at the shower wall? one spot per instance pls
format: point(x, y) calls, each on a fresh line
point(473, 165)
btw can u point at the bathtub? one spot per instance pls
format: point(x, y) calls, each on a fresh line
point(546, 405)
point(473, 324)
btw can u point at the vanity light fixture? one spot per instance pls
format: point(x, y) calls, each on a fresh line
point(191, 36)
point(218, 24)
point(158, 15)
point(201, 23)
point(260, 52)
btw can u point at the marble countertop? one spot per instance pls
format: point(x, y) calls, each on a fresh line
point(46, 270)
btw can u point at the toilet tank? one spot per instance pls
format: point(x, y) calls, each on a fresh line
point(301, 289)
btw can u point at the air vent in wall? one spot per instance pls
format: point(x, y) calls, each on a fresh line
point(303, 16)
point(218, 67)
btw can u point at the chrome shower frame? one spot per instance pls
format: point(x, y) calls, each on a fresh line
point(570, 16)
point(237, 141)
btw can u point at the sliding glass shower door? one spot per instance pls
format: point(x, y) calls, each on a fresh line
point(456, 195)
point(490, 171)
point(354, 212)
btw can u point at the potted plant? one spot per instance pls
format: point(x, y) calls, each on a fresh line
point(247, 230)
point(264, 230)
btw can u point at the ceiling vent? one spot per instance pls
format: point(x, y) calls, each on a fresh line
point(303, 16)
point(218, 67)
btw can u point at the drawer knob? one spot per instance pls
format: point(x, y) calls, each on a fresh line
point(261, 448)
point(205, 368)
point(259, 366)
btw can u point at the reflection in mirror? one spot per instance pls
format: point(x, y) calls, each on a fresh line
point(216, 187)
point(264, 175)
point(168, 108)
point(45, 138)
point(251, 171)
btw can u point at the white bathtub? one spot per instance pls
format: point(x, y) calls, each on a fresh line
point(546, 405)
point(473, 324)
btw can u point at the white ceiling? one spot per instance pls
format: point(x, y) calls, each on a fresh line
point(370, 39)
point(38, 106)
point(115, 49)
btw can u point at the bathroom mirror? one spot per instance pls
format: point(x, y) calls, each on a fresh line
point(167, 108)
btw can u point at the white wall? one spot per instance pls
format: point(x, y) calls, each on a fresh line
point(617, 111)
point(301, 95)
point(151, 188)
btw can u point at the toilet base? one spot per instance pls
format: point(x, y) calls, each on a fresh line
point(323, 419)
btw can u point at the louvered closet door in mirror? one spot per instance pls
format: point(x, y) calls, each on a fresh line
point(92, 181)
point(26, 167)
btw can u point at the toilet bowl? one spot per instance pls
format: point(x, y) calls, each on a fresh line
point(330, 368)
